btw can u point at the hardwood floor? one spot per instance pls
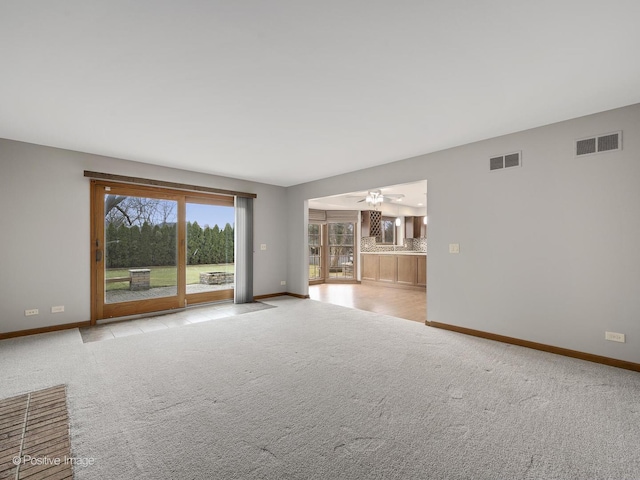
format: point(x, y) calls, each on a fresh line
point(408, 304)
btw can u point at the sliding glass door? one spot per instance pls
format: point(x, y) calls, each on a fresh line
point(158, 249)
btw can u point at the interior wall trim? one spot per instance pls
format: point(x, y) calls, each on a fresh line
point(52, 328)
point(161, 183)
point(589, 357)
point(298, 295)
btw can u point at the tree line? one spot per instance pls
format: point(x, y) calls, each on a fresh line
point(155, 245)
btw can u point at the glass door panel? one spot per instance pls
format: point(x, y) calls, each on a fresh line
point(341, 250)
point(315, 252)
point(210, 263)
point(140, 248)
point(135, 248)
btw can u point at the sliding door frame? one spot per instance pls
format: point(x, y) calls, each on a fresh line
point(100, 309)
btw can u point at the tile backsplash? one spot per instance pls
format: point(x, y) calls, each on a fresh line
point(419, 244)
point(368, 244)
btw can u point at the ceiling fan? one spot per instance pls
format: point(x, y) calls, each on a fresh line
point(376, 197)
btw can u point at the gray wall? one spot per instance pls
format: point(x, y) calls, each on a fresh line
point(548, 252)
point(44, 230)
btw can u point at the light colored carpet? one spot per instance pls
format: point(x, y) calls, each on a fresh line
point(311, 390)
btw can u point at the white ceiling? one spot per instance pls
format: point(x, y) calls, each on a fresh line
point(289, 91)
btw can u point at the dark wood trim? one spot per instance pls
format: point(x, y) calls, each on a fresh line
point(93, 248)
point(280, 294)
point(194, 299)
point(53, 328)
point(181, 253)
point(297, 295)
point(589, 357)
point(140, 307)
point(339, 280)
point(270, 295)
point(161, 183)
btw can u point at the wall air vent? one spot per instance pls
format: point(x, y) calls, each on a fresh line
point(505, 161)
point(600, 143)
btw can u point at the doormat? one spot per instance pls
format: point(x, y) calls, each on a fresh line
point(34, 436)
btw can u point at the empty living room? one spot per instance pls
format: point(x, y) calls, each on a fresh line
point(173, 175)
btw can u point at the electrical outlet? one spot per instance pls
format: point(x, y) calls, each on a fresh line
point(58, 309)
point(33, 311)
point(263, 246)
point(614, 337)
point(283, 282)
point(454, 248)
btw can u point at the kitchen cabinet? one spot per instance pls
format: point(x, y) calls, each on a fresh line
point(414, 227)
point(388, 272)
point(395, 270)
point(370, 226)
point(422, 271)
point(370, 267)
point(407, 270)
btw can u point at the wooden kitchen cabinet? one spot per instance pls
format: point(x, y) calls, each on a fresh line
point(370, 267)
point(401, 271)
point(422, 271)
point(414, 227)
point(407, 270)
point(388, 268)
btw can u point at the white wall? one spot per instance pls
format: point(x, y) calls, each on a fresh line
point(45, 238)
point(548, 252)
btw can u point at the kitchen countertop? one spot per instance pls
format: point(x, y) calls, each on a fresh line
point(399, 252)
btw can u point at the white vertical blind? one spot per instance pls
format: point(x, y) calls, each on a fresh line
point(244, 250)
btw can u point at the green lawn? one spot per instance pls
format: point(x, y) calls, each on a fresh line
point(166, 276)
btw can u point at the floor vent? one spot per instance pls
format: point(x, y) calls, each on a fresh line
point(505, 161)
point(34, 436)
point(598, 144)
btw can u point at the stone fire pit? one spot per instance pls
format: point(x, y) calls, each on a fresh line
point(216, 278)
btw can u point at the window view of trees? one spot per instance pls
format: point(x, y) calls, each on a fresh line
point(341, 249)
point(388, 230)
point(209, 245)
point(315, 246)
point(134, 246)
point(142, 232)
